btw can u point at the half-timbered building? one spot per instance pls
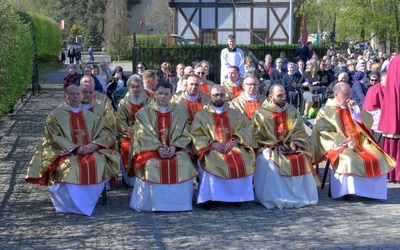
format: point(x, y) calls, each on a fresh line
point(251, 21)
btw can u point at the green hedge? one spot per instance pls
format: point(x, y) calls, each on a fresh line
point(16, 53)
point(154, 55)
point(48, 37)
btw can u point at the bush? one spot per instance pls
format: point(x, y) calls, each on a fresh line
point(16, 53)
point(154, 55)
point(47, 35)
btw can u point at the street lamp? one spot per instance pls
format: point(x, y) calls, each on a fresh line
point(148, 36)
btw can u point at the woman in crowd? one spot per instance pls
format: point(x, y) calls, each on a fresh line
point(310, 81)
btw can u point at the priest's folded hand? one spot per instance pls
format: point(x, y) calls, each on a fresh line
point(220, 147)
point(229, 145)
point(170, 152)
point(130, 129)
point(87, 149)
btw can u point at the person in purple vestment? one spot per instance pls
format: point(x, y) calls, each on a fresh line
point(389, 123)
point(373, 102)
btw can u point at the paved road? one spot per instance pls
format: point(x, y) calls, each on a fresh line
point(28, 220)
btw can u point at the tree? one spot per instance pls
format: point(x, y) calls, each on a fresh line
point(158, 17)
point(86, 18)
point(116, 26)
point(93, 23)
point(356, 20)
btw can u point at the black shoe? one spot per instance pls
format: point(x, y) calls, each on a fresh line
point(207, 205)
point(237, 204)
point(349, 197)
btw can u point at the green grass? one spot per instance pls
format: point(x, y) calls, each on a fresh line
point(48, 65)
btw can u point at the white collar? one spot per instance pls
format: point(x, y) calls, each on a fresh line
point(251, 97)
point(86, 106)
point(75, 110)
point(191, 98)
point(148, 89)
point(162, 109)
point(237, 83)
point(218, 110)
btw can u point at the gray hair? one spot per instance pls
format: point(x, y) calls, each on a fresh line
point(134, 78)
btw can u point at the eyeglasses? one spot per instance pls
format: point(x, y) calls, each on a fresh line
point(200, 73)
point(140, 67)
point(216, 95)
point(373, 80)
point(251, 84)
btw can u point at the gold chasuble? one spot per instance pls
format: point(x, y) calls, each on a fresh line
point(103, 116)
point(155, 129)
point(206, 87)
point(55, 159)
point(103, 100)
point(282, 128)
point(232, 91)
point(209, 127)
point(334, 128)
point(124, 119)
point(191, 107)
point(247, 107)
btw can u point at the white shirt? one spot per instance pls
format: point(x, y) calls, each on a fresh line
point(229, 59)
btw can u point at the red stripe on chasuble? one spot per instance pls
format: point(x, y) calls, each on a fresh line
point(87, 169)
point(281, 130)
point(163, 127)
point(251, 107)
point(204, 88)
point(80, 136)
point(280, 124)
point(297, 164)
point(235, 162)
point(236, 90)
point(124, 148)
point(371, 162)
point(168, 167)
point(169, 171)
point(134, 109)
point(193, 108)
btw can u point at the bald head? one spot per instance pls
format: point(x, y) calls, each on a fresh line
point(87, 79)
point(342, 93)
point(217, 88)
point(340, 87)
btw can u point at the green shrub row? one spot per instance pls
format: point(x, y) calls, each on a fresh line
point(155, 55)
point(16, 54)
point(47, 35)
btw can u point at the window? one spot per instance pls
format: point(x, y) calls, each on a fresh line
point(257, 35)
point(208, 37)
point(236, 1)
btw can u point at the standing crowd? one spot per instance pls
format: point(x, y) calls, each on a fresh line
point(240, 137)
